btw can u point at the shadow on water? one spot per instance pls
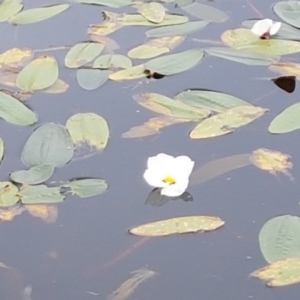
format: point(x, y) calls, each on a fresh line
point(88, 252)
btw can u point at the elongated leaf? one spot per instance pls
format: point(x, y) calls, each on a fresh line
point(227, 121)
point(110, 3)
point(286, 68)
point(8, 8)
point(175, 63)
point(40, 74)
point(289, 12)
point(48, 144)
point(279, 238)
point(178, 225)
point(246, 57)
point(286, 121)
point(206, 12)
point(154, 12)
point(82, 53)
point(87, 187)
point(280, 273)
point(8, 194)
point(183, 3)
point(1, 149)
point(34, 175)
point(170, 107)
point(242, 38)
point(212, 100)
point(13, 111)
point(134, 72)
point(37, 14)
point(114, 61)
point(90, 128)
point(90, 79)
point(182, 29)
point(40, 194)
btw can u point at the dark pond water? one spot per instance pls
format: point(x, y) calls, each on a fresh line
point(88, 253)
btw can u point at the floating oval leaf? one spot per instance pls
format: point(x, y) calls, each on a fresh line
point(90, 79)
point(225, 122)
point(37, 14)
point(152, 11)
point(182, 29)
point(212, 100)
point(40, 74)
point(178, 225)
point(40, 194)
point(279, 238)
point(286, 121)
point(112, 61)
point(82, 53)
point(8, 194)
point(175, 63)
point(9, 8)
point(15, 57)
point(34, 175)
point(288, 11)
point(280, 273)
point(48, 144)
point(86, 187)
point(134, 72)
point(90, 128)
point(13, 111)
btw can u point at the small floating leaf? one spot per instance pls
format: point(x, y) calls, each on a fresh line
point(13, 111)
point(280, 273)
point(134, 72)
point(212, 100)
point(114, 61)
point(86, 187)
point(82, 53)
point(49, 144)
point(289, 12)
point(152, 11)
point(227, 121)
point(35, 15)
point(40, 194)
point(1, 149)
point(286, 121)
point(178, 225)
point(175, 63)
point(8, 194)
point(90, 128)
point(34, 175)
point(9, 8)
point(90, 79)
point(40, 74)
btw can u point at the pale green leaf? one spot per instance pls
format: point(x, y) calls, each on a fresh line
point(91, 79)
point(134, 72)
point(8, 194)
point(9, 8)
point(114, 61)
point(152, 11)
point(289, 12)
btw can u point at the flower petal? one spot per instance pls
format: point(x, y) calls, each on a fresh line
point(159, 161)
point(154, 179)
point(175, 190)
point(183, 166)
point(275, 28)
point(262, 27)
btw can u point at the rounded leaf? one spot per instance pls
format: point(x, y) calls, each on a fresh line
point(8, 194)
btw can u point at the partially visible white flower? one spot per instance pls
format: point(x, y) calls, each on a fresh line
point(265, 28)
point(169, 173)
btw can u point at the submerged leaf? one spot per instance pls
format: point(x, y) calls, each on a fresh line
point(1, 149)
point(49, 144)
point(91, 79)
point(9, 8)
point(8, 194)
point(9, 213)
point(47, 213)
point(178, 225)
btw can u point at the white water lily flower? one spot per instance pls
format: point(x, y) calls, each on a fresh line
point(169, 173)
point(265, 28)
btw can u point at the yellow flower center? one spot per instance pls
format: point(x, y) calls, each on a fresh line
point(169, 179)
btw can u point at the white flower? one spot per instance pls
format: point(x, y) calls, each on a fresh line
point(169, 173)
point(265, 28)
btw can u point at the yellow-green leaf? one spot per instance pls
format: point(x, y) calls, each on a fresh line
point(114, 61)
point(152, 11)
point(15, 57)
point(9, 8)
point(8, 194)
point(134, 72)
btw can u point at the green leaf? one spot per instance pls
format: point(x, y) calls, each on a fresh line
point(178, 225)
point(8, 194)
point(8, 8)
point(175, 30)
point(114, 61)
point(206, 12)
point(286, 121)
point(39, 74)
point(182, 3)
point(90, 79)
point(242, 38)
point(40, 194)
point(82, 53)
point(246, 57)
point(49, 144)
point(175, 63)
point(90, 128)
point(134, 72)
point(212, 100)
point(86, 187)
point(279, 238)
point(289, 12)
point(110, 3)
point(227, 121)
point(152, 11)
point(170, 107)
point(35, 15)
point(34, 175)
point(1, 149)
point(13, 111)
